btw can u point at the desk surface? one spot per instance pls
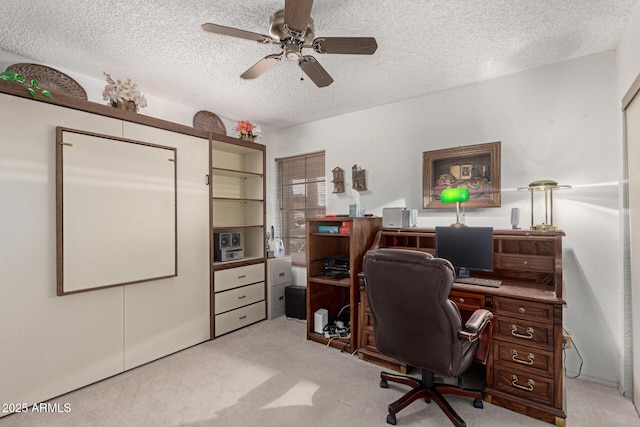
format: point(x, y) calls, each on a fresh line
point(514, 289)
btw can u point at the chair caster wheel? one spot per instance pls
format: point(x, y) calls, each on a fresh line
point(477, 403)
point(391, 419)
point(384, 384)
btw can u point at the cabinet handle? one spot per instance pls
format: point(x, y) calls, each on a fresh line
point(514, 357)
point(528, 387)
point(281, 274)
point(525, 262)
point(242, 296)
point(461, 300)
point(522, 310)
point(242, 317)
point(514, 332)
point(242, 277)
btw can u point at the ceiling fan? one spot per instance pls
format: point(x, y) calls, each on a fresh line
point(292, 29)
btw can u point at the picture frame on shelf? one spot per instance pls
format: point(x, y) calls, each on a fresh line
point(476, 167)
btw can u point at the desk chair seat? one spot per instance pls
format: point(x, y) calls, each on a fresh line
point(415, 322)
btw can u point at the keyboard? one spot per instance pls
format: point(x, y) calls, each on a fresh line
point(478, 281)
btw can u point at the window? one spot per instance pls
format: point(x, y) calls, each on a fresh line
point(301, 195)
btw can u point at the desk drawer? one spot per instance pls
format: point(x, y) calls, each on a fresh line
point(526, 263)
point(516, 356)
point(240, 276)
point(524, 332)
point(467, 301)
point(243, 316)
point(523, 310)
point(523, 384)
point(238, 297)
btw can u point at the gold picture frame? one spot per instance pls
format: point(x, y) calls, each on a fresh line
point(476, 167)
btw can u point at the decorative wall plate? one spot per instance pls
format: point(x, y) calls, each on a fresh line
point(51, 79)
point(206, 120)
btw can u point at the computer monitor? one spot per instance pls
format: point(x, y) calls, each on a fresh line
point(467, 248)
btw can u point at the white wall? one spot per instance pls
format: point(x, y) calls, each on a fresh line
point(628, 68)
point(558, 122)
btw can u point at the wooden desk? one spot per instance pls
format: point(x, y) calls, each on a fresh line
point(524, 371)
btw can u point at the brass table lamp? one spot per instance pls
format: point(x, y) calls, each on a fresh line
point(548, 187)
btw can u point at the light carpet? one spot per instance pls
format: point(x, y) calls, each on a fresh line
point(269, 375)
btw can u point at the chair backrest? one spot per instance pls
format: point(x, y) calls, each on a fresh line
point(414, 320)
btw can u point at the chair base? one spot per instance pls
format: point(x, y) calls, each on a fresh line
point(428, 390)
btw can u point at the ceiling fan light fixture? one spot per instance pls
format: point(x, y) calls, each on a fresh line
point(292, 52)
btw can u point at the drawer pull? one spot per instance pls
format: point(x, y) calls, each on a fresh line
point(528, 387)
point(281, 274)
point(242, 296)
point(514, 357)
point(242, 317)
point(521, 310)
point(242, 277)
point(514, 332)
point(525, 262)
point(461, 300)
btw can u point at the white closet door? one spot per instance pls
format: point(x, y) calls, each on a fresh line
point(633, 158)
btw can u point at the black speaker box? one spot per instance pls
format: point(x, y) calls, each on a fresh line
point(295, 300)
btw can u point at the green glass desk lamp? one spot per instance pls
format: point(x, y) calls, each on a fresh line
point(457, 196)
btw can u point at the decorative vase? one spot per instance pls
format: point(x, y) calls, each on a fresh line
point(125, 105)
point(248, 138)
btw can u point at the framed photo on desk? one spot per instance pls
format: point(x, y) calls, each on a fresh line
point(476, 167)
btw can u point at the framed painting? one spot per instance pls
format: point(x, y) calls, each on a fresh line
point(476, 167)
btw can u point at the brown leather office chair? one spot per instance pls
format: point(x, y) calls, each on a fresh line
point(415, 322)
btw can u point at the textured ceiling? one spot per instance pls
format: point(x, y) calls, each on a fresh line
point(423, 46)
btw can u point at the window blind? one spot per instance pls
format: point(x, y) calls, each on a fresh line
point(301, 195)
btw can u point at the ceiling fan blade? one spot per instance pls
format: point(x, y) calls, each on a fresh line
point(234, 32)
point(261, 66)
point(316, 72)
point(346, 45)
point(296, 15)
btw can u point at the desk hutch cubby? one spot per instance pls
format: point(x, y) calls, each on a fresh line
point(238, 215)
point(524, 371)
point(330, 293)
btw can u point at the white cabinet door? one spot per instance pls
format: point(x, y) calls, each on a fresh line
point(167, 315)
point(50, 345)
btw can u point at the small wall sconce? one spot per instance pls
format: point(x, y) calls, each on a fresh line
point(358, 178)
point(548, 187)
point(338, 180)
point(457, 196)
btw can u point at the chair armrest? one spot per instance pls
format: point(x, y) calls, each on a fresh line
point(479, 327)
point(475, 325)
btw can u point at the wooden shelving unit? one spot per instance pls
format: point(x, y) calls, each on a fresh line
point(237, 206)
point(336, 294)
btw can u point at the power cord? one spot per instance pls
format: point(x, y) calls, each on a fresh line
point(564, 356)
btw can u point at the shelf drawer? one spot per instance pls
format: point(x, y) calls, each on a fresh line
point(523, 384)
point(524, 332)
point(526, 263)
point(232, 320)
point(524, 310)
point(234, 277)
point(506, 353)
point(238, 297)
point(467, 301)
